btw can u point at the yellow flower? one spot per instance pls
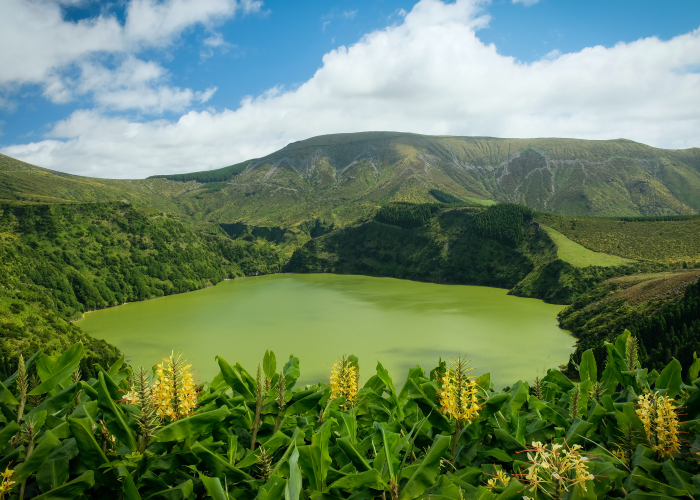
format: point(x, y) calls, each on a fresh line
point(661, 424)
point(173, 390)
point(458, 393)
point(500, 480)
point(7, 482)
point(557, 468)
point(344, 381)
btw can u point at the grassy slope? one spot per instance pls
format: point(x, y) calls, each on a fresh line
point(675, 242)
point(341, 178)
point(579, 256)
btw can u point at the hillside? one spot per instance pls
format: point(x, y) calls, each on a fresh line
point(57, 261)
point(343, 177)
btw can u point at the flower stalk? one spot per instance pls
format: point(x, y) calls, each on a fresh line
point(258, 407)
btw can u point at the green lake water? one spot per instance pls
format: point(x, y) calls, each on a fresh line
point(320, 317)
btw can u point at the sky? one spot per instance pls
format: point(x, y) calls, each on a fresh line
point(132, 88)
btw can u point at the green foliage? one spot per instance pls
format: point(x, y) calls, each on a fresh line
point(58, 261)
point(407, 215)
point(503, 222)
point(444, 197)
point(392, 444)
point(219, 175)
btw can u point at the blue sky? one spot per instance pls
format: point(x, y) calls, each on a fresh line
point(151, 75)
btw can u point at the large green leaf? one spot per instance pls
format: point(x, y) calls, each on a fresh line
point(62, 370)
point(679, 479)
point(213, 487)
point(40, 454)
point(292, 489)
point(305, 404)
point(7, 432)
point(315, 460)
point(386, 378)
point(234, 380)
point(190, 427)
point(218, 466)
point(72, 490)
point(56, 402)
point(52, 474)
point(91, 454)
point(269, 364)
point(588, 369)
point(388, 459)
point(355, 456)
point(657, 486)
point(114, 418)
point(6, 396)
point(670, 379)
point(180, 492)
point(425, 474)
point(368, 479)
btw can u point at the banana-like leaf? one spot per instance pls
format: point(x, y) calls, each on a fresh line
point(509, 443)
point(72, 490)
point(388, 458)
point(355, 456)
point(368, 479)
point(694, 370)
point(315, 460)
point(29, 362)
point(218, 466)
point(7, 397)
point(386, 378)
point(619, 367)
point(234, 380)
point(659, 487)
point(292, 489)
point(213, 487)
point(52, 474)
point(180, 492)
point(269, 364)
point(38, 457)
point(55, 402)
point(670, 379)
point(588, 369)
point(305, 404)
point(7, 432)
point(91, 454)
point(62, 370)
point(426, 473)
point(114, 418)
point(110, 384)
point(190, 427)
point(114, 369)
point(519, 394)
point(129, 488)
point(677, 478)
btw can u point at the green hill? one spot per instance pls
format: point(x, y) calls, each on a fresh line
point(340, 178)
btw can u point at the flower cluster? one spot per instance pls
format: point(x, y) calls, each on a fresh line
point(7, 482)
point(344, 381)
point(458, 392)
point(173, 390)
point(501, 480)
point(661, 424)
point(556, 468)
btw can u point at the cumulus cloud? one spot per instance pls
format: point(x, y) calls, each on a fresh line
point(41, 47)
point(428, 74)
point(527, 3)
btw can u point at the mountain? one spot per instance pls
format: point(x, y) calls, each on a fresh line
point(343, 177)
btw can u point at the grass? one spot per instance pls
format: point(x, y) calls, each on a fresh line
point(579, 256)
point(674, 242)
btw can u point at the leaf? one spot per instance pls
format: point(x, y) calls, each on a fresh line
point(217, 466)
point(384, 377)
point(7, 432)
point(368, 479)
point(315, 460)
point(292, 489)
point(114, 418)
point(191, 426)
point(678, 479)
point(180, 492)
point(694, 370)
point(670, 379)
point(56, 402)
point(351, 452)
point(91, 454)
point(509, 443)
point(588, 369)
point(234, 380)
point(269, 364)
point(426, 473)
point(114, 369)
point(291, 371)
point(577, 432)
point(38, 456)
point(213, 487)
point(305, 404)
point(72, 490)
point(657, 486)
point(52, 474)
point(389, 439)
point(62, 370)
point(7, 397)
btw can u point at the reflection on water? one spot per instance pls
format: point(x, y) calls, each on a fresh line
point(319, 317)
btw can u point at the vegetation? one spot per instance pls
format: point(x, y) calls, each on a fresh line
point(407, 215)
point(579, 256)
point(675, 241)
point(58, 261)
point(622, 432)
point(664, 325)
point(209, 176)
point(451, 248)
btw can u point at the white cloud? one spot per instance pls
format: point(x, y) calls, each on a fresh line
point(429, 74)
point(349, 14)
point(526, 3)
point(40, 47)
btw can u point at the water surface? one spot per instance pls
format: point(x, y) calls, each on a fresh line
point(319, 317)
